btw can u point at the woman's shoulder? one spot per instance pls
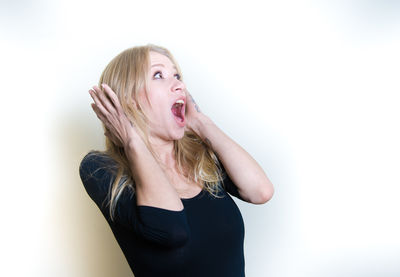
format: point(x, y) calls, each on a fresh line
point(97, 171)
point(97, 158)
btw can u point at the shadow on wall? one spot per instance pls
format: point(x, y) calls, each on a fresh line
point(84, 243)
point(83, 237)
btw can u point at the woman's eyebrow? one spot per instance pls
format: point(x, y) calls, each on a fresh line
point(159, 64)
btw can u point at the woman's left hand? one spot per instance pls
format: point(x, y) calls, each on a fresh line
point(193, 115)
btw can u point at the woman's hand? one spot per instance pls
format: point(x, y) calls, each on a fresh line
point(193, 115)
point(106, 105)
point(196, 120)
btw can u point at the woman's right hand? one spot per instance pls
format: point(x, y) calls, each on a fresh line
point(107, 107)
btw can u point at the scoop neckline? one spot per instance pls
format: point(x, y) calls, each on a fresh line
point(194, 197)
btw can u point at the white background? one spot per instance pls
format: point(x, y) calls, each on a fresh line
point(310, 90)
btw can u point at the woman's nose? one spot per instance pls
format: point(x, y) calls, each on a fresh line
point(178, 85)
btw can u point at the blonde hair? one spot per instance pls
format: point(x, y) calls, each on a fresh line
point(126, 75)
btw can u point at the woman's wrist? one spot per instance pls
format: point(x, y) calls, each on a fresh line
point(133, 141)
point(199, 125)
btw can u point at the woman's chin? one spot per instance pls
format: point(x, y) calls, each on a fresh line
point(177, 131)
point(179, 135)
point(173, 134)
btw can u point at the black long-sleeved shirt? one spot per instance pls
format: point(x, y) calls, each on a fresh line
point(205, 239)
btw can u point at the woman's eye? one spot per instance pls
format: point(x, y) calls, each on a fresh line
point(157, 73)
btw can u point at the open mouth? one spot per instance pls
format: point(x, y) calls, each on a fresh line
point(178, 110)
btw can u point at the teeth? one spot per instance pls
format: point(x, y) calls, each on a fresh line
point(180, 101)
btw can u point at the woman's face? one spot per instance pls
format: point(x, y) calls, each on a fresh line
point(165, 88)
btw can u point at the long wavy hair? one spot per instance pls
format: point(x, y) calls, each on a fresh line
point(126, 75)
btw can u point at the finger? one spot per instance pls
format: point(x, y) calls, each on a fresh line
point(195, 104)
point(102, 97)
point(187, 93)
point(112, 95)
point(115, 100)
point(99, 114)
point(107, 133)
point(114, 139)
point(105, 100)
point(96, 111)
point(97, 102)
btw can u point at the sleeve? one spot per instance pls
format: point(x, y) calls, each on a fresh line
point(229, 186)
point(161, 226)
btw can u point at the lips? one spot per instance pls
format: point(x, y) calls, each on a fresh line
point(178, 111)
point(182, 98)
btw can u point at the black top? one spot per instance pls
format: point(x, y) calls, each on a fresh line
point(204, 239)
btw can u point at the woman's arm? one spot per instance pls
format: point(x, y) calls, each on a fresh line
point(152, 186)
point(252, 182)
point(166, 228)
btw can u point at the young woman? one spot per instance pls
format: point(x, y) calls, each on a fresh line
point(163, 179)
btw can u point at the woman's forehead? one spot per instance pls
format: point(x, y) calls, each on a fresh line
point(157, 59)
